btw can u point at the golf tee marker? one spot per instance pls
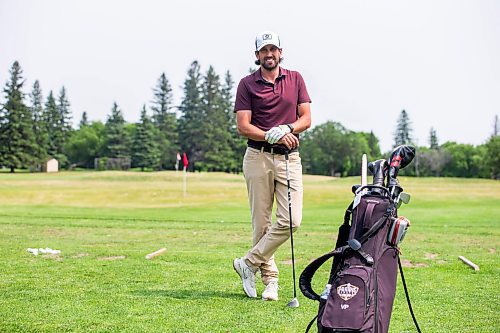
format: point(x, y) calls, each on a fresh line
point(155, 254)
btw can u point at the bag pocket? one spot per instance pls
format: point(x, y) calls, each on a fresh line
point(349, 300)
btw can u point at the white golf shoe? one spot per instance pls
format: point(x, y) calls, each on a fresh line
point(247, 275)
point(271, 292)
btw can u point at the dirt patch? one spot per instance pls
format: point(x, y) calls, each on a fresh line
point(112, 258)
point(492, 251)
point(54, 232)
point(409, 264)
point(80, 255)
point(431, 256)
point(55, 257)
point(286, 262)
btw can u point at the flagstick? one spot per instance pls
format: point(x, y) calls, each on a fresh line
point(184, 180)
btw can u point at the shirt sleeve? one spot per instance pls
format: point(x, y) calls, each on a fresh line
point(243, 100)
point(303, 96)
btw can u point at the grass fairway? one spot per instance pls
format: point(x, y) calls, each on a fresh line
point(106, 222)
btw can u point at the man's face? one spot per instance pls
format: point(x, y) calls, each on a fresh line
point(269, 56)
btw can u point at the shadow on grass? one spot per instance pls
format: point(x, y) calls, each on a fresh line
point(188, 294)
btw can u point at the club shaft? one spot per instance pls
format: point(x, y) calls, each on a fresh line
point(291, 223)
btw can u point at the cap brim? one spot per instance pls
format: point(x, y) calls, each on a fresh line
point(265, 44)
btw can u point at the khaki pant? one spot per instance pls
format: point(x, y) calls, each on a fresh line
point(265, 175)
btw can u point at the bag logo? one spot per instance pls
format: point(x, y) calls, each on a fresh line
point(347, 291)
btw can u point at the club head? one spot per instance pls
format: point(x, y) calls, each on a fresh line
point(404, 197)
point(294, 303)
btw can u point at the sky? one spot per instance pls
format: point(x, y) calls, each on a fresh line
point(362, 61)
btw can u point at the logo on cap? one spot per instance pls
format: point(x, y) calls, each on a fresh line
point(267, 36)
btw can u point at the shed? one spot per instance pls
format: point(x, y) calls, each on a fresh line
point(51, 165)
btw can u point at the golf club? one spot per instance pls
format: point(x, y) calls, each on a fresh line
point(401, 156)
point(379, 171)
point(294, 303)
point(403, 198)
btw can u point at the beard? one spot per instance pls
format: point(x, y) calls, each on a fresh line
point(268, 66)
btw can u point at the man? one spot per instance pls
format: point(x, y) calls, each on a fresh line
point(272, 106)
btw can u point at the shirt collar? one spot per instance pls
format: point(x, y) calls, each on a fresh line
point(258, 75)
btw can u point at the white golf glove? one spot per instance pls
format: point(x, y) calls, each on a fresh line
point(276, 133)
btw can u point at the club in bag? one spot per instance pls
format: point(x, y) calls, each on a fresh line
point(403, 198)
point(294, 303)
point(400, 157)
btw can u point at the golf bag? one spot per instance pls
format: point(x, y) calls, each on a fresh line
point(362, 283)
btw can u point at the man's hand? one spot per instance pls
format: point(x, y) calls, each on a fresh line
point(276, 133)
point(289, 140)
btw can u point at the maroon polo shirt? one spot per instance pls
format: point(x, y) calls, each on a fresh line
point(271, 104)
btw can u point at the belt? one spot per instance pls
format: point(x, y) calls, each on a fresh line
point(273, 150)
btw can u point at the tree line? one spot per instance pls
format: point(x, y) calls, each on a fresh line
point(34, 129)
point(331, 149)
point(203, 126)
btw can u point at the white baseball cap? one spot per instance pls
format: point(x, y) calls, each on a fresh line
point(267, 38)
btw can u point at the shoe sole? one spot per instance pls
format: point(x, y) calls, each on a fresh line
point(241, 277)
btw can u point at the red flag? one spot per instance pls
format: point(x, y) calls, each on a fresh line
point(185, 160)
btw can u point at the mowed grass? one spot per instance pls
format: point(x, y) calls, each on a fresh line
point(106, 222)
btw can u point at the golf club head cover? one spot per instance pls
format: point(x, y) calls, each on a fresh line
point(401, 156)
point(379, 171)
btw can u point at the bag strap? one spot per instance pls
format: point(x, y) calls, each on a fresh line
point(311, 323)
point(343, 236)
point(376, 226)
point(308, 273)
point(355, 244)
point(407, 295)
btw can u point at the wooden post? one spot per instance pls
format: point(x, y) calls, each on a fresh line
point(469, 263)
point(156, 253)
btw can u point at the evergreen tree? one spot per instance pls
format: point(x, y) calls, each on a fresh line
point(402, 136)
point(433, 139)
point(84, 121)
point(116, 138)
point(238, 142)
point(17, 140)
point(145, 152)
point(165, 121)
point(216, 138)
point(192, 118)
point(52, 121)
point(65, 115)
point(39, 125)
point(495, 126)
